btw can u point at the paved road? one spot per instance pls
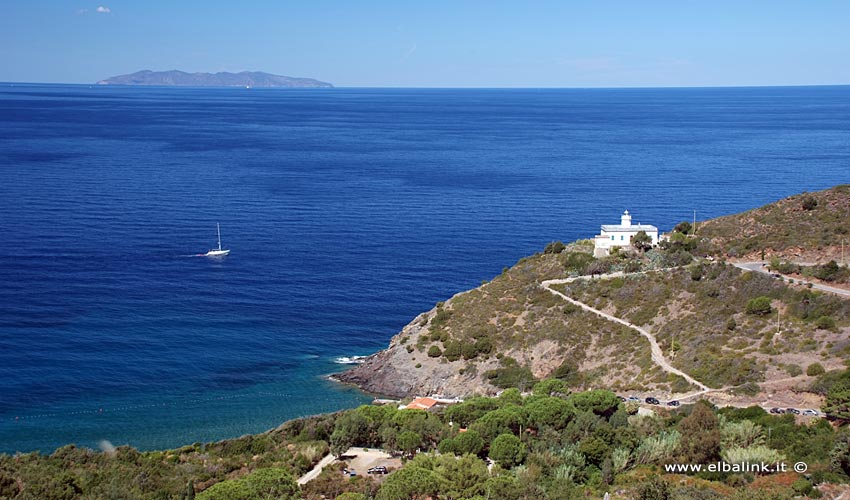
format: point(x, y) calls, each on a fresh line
point(657, 353)
point(759, 267)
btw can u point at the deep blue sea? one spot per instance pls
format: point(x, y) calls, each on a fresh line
point(347, 211)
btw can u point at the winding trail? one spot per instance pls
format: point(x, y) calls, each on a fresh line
point(657, 353)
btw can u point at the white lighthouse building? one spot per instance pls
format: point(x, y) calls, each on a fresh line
point(620, 235)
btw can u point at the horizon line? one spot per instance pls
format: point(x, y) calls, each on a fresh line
point(624, 87)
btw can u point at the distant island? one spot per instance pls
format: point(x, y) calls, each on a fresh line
point(223, 79)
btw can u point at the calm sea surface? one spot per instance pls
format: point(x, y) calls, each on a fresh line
point(347, 211)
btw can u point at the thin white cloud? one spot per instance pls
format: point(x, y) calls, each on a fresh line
point(82, 11)
point(103, 9)
point(409, 52)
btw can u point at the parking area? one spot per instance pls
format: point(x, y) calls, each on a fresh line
point(363, 459)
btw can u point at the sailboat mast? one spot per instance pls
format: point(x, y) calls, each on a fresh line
point(218, 231)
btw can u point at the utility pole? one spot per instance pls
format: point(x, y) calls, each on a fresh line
point(778, 322)
point(672, 343)
point(695, 222)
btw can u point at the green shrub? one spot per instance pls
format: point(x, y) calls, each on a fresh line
point(697, 272)
point(274, 483)
point(809, 203)
point(483, 346)
point(568, 372)
point(554, 247)
point(235, 489)
point(759, 306)
point(409, 482)
point(815, 369)
point(794, 370)
point(642, 241)
point(453, 350)
point(683, 227)
point(434, 352)
point(441, 318)
point(658, 448)
point(469, 442)
point(655, 488)
point(511, 376)
point(825, 323)
point(549, 411)
point(468, 351)
point(507, 450)
point(550, 387)
point(831, 271)
point(570, 308)
point(632, 266)
point(577, 261)
point(802, 486)
point(447, 446)
point(350, 495)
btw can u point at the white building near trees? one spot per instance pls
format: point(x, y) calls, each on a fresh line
point(620, 235)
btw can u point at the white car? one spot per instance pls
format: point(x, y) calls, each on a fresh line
point(811, 413)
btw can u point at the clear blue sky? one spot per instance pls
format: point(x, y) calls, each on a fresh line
point(434, 43)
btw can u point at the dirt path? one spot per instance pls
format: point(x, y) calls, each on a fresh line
point(315, 471)
point(759, 268)
point(657, 353)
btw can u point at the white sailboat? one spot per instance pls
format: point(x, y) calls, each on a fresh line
point(220, 252)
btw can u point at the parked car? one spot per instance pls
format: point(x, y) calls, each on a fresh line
point(652, 401)
point(675, 402)
point(777, 411)
point(792, 410)
point(633, 399)
point(377, 470)
point(621, 398)
point(352, 472)
point(811, 413)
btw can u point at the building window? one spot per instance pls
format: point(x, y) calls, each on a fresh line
point(621, 237)
point(612, 237)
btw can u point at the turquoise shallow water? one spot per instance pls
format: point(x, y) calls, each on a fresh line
point(348, 212)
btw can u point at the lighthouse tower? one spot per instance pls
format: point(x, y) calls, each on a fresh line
point(620, 235)
point(626, 219)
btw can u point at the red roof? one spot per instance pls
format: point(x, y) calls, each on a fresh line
point(421, 404)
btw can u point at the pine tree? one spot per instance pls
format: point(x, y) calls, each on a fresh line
point(700, 443)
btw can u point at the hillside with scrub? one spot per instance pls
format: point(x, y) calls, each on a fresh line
point(511, 332)
point(734, 330)
point(550, 444)
point(808, 226)
point(727, 327)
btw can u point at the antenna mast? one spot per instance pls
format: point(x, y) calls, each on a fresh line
point(695, 223)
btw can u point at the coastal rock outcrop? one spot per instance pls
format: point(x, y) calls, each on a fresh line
point(401, 370)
